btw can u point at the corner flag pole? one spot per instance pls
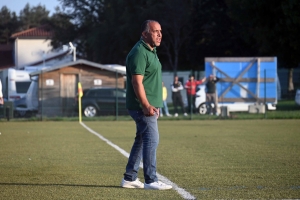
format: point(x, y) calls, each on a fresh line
point(80, 93)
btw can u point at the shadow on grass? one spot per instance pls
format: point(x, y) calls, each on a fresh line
point(286, 105)
point(58, 184)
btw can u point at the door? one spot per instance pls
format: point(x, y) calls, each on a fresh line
point(68, 93)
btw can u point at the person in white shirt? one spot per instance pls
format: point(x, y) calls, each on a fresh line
point(1, 94)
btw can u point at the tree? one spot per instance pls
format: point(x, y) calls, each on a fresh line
point(8, 24)
point(175, 19)
point(107, 30)
point(215, 34)
point(79, 24)
point(63, 29)
point(272, 27)
point(33, 16)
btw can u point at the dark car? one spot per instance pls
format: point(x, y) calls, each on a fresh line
point(103, 101)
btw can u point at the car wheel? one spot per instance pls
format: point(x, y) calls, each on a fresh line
point(202, 109)
point(90, 111)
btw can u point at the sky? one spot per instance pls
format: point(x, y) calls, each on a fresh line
point(18, 5)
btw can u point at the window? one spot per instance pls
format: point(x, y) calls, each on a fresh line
point(91, 93)
point(119, 93)
point(23, 86)
point(104, 93)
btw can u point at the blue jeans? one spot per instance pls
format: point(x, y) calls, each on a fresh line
point(144, 146)
point(165, 107)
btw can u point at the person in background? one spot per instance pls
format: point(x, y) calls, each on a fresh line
point(1, 95)
point(191, 86)
point(164, 98)
point(143, 100)
point(211, 94)
point(176, 96)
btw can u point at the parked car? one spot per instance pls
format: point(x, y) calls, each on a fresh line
point(103, 101)
point(297, 97)
point(200, 102)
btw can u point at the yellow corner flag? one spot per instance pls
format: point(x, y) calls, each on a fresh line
point(80, 93)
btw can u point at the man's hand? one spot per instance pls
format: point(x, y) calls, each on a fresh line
point(137, 83)
point(150, 111)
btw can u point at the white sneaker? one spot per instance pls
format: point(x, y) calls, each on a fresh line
point(157, 186)
point(161, 114)
point(132, 184)
point(185, 114)
point(176, 115)
point(169, 115)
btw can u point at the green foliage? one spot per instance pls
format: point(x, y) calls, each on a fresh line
point(105, 31)
point(8, 24)
point(271, 27)
point(31, 17)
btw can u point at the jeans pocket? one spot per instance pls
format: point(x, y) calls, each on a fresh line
point(136, 115)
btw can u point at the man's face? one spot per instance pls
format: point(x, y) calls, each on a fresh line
point(153, 38)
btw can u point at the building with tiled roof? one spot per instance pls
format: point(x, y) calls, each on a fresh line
point(37, 32)
point(32, 45)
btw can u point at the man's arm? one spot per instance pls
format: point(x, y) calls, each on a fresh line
point(173, 88)
point(201, 81)
point(137, 83)
point(180, 86)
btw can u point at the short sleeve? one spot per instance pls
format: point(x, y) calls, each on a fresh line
point(137, 63)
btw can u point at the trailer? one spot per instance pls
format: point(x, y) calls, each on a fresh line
point(246, 84)
point(21, 89)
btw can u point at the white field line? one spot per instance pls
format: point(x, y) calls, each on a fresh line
point(184, 194)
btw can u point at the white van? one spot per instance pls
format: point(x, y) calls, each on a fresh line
point(18, 82)
point(297, 97)
point(28, 105)
point(200, 103)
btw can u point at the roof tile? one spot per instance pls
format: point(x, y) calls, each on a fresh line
point(42, 31)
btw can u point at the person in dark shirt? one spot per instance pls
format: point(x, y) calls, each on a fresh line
point(211, 94)
point(176, 96)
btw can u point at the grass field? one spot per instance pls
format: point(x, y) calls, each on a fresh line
point(210, 159)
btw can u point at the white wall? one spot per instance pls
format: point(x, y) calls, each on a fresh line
point(31, 50)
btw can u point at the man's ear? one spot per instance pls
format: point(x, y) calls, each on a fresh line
point(144, 34)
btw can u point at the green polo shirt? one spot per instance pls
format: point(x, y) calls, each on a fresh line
point(144, 61)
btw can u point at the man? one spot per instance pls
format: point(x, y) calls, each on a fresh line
point(176, 96)
point(143, 100)
point(211, 94)
point(190, 87)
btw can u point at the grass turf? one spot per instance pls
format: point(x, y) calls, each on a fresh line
point(211, 159)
